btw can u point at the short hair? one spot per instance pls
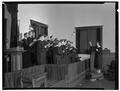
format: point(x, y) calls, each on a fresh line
point(32, 31)
point(29, 32)
point(39, 36)
point(25, 34)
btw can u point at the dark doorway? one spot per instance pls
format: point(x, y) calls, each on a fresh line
point(86, 34)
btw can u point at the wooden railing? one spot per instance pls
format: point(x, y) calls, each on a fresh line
point(14, 79)
point(56, 72)
point(66, 72)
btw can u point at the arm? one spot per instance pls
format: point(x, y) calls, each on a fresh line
point(90, 43)
point(34, 41)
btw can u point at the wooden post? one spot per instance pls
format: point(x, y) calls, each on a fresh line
point(16, 58)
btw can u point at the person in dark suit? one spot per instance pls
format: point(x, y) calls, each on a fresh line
point(25, 42)
point(96, 62)
point(98, 57)
point(92, 56)
point(20, 42)
point(33, 48)
point(26, 54)
point(30, 37)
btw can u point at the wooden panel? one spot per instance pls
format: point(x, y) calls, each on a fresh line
point(40, 81)
point(9, 80)
point(72, 70)
point(79, 67)
point(56, 72)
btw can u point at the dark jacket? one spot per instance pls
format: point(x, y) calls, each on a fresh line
point(30, 40)
point(25, 44)
point(98, 58)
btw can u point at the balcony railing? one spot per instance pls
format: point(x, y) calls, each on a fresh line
point(57, 75)
point(62, 75)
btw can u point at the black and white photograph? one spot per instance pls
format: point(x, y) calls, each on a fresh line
point(60, 45)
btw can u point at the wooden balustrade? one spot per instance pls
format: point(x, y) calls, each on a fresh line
point(75, 69)
point(14, 56)
point(17, 79)
point(56, 72)
point(67, 72)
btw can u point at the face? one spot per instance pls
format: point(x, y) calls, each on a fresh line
point(20, 36)
point(98, 44)
point(90, 43)
point(33, 34)
point(30, 34)
point(25, 36)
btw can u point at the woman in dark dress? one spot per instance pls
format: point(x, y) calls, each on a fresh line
point(97, 63)
point(33, 48)
point(98, 57)
point(92, 56)
point(26, 54)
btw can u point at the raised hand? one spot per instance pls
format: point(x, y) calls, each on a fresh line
point(90, 43)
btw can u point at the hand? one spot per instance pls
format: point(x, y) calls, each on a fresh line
point(96, 49)
point(90, 43)
point(35, 40)
point(30, 44)
point(98, 45)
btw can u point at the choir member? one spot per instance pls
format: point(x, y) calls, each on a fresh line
point(20, 42)
point(26, 54)
point(33, 48)
point(98, 57)
point(29, 37)
point(25, 41)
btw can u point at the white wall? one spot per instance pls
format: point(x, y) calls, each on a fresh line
point(70, 16)
point(109, 27)
point(39, 12)
point(62, 19)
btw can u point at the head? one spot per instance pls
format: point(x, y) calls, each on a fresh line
point(33, 34)
point(98, 44)
point(90, 43)
point(25, 35)
point(30, 33)
point(20, 36)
